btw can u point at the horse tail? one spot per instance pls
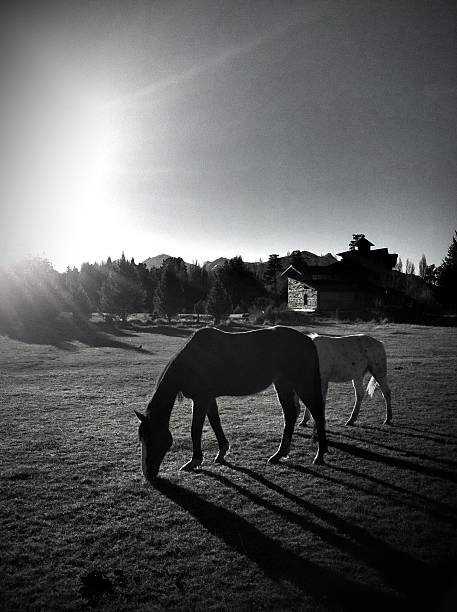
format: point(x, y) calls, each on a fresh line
point(372, 385)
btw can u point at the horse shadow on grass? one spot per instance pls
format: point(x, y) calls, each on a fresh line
point(397, 462)
point(422, 432)
point(390, 491)
point(400, 570)
point(277, 562)
point(400, 430)
point(409, 453)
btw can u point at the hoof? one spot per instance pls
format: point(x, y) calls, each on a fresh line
point(221, 454)
point(191, 465)
point(220, 457)
point(387, 422)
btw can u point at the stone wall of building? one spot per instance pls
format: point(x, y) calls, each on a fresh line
point(300, 296)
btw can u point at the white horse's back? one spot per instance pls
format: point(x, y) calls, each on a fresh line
point(343, 358)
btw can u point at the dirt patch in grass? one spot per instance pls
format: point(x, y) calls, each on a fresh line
point(373, 529)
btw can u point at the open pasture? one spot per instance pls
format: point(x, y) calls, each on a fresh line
point(373, 529)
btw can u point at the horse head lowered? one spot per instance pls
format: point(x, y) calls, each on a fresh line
point(156, 441)
point(215, 363)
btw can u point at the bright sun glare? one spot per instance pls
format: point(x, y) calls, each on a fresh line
point(82, 186)
point(64, 185)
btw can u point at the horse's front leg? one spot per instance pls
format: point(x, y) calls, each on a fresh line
point(199, 410)
point(215, 422)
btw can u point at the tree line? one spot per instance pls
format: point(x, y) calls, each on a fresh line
point(34, 293)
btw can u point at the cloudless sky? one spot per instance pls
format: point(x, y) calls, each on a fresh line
point(206, 128)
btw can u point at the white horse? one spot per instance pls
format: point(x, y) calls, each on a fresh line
point(344, 358)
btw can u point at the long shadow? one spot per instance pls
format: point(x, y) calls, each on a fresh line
point(409, 453)
point(397, 462)
point(63, 333)
point(324, 585)
point(408, 429)
point(398, 568)
point(438, 509)
point(396, 431)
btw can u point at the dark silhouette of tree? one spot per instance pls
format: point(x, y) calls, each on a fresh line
point(274, 269)
point(447, 276)
point(242, 286)
point(199, 308)
point(79, 302)
point(197, 286)
point(169, 295)
point(431, 274)
point(91, 277)
point(218, 303)
point(121, 293)
point(149, 280)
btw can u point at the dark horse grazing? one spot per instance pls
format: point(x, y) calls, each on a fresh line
point(214, 363)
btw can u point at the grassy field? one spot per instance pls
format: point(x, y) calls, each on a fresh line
point(373, 529)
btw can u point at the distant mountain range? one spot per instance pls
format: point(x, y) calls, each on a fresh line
point(156, 262)
point(310, 258)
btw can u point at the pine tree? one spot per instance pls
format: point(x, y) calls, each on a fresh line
point(218, 303)
point(168, 299)
point(241, 284)
point(121, 293)
point(79, 302)
point(274, 268)
point(447, 276)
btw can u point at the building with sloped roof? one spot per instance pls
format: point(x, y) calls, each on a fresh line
point(360, 280)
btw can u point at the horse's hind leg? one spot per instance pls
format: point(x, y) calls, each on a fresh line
point(215, 422)
point(385, 389)
point(317, 408)
point(359, 391)
point(290, 407)
point(307, 413)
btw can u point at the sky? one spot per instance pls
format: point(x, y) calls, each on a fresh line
point(215, 128)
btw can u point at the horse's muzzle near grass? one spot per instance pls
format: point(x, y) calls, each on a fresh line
point(215, 363)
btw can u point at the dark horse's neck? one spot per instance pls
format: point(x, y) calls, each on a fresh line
point(162, 402)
